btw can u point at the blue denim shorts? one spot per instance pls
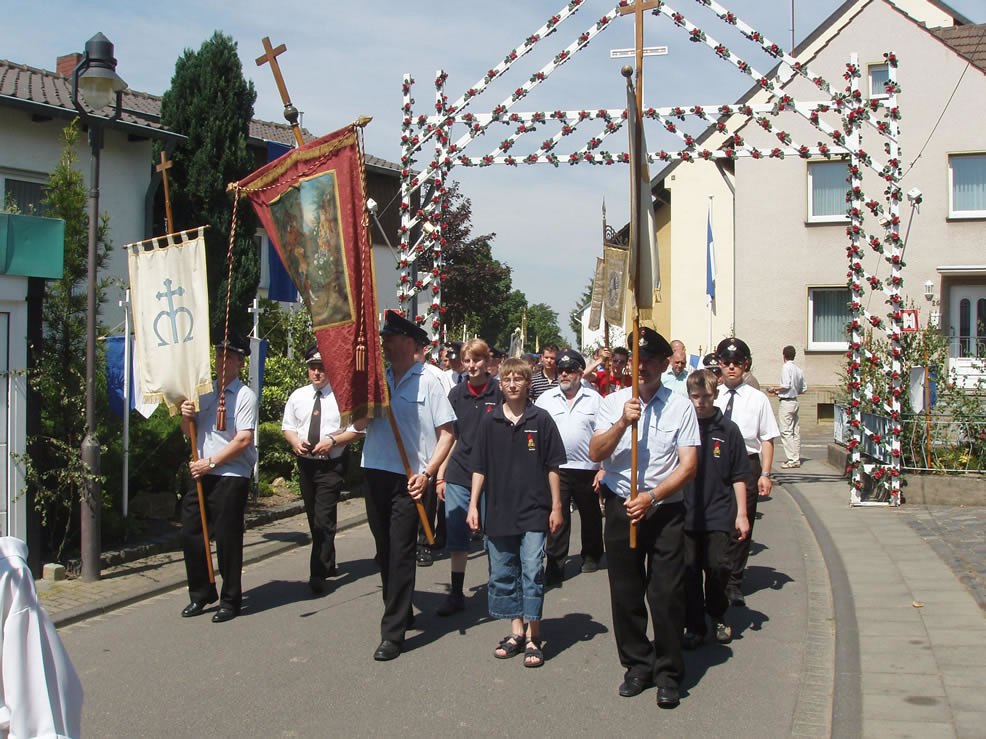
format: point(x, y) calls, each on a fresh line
point(457, 531)
point(516, 587)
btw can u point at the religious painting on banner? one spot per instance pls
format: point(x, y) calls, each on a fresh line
point(312, 204)
point(170, 302)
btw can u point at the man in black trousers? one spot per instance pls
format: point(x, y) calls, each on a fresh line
point(425, 421)
point(650, 575)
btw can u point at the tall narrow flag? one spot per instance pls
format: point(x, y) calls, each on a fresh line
point(643, 255)
point(169, 295)
point(710, 262)
point(312, 203)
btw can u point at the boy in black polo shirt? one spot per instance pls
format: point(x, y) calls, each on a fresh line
point(516, 458)
point(715, 511)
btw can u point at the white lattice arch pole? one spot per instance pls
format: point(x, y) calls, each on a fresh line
point(422, 229)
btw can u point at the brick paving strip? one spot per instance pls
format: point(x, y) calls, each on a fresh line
point(958, 536)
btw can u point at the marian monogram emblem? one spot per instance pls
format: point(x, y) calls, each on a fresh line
point(172, 314)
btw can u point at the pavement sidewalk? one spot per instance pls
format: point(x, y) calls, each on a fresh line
point(910, 656)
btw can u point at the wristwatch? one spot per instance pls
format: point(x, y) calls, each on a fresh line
point(212, 465)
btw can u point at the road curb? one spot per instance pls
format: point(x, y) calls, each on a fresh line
point(847, 697)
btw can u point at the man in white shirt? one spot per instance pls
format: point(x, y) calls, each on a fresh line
point(311, 425)
point(573, 407)
point(652, 573)
point(750, 410)
point(424, 419)
point(792, 385)
point(677, 373)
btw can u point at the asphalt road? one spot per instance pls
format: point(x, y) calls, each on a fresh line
point(295, 666)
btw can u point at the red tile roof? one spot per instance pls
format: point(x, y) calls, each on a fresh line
point(968, 41)
point(42, 90)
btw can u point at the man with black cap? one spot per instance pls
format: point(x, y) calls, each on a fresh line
point(652, 573)
point(424, 420)
point(224, 467)
point(749, 409)
point(573, 406)
point(311, 425)
point(456, 371)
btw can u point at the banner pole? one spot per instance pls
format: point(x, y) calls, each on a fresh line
point(635, 173)
point(193, 436)
point(425, 523)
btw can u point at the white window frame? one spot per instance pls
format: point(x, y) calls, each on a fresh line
point(962, 214)
point(810, 216)
point(879, 92)
point(824, 346)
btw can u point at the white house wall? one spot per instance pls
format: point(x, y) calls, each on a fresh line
point(779, 255)
point(691, 186)
point(29, 148)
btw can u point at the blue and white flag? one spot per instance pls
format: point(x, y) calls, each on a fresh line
point(114, 380)
point(170, 300)
point(710, 262)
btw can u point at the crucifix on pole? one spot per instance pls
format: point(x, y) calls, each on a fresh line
point(638, 8)
point(163, 168)
point(290, 112)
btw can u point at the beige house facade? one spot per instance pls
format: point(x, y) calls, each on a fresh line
point(779, 225)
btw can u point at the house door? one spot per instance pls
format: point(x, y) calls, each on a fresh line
point(967, 316)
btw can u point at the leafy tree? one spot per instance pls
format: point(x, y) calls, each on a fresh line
point(54, 465)
point(542, 327)
point(475, 282)
point(211, 103)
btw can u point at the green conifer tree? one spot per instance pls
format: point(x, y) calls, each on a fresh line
point(211, 103)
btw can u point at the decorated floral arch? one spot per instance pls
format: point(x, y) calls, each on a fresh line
point(445, 138)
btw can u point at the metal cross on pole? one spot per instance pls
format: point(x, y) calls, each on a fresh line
point(163, 168)
point(290, 112)
point(638, 9)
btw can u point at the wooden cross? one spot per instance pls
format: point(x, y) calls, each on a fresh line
point(638, 8)
point(290, 112)
point(163, 168)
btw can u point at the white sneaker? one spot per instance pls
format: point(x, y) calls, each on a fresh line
point(790, 465)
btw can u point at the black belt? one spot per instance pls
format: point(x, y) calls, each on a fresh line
point(787, 398)
point(325, 459)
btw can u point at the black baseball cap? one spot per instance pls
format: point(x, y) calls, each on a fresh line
point(396, 324)
point(733, 348)
point(570, 359)
point(313, 356)
point(650, 343)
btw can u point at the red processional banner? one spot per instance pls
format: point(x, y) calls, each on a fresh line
point(312, 204)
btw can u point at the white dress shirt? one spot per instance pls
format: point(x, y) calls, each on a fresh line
point(576, 422)
point(751, 412)
point(298, 415)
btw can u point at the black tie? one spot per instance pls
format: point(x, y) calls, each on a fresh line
point(728, 413)
point(315, 427)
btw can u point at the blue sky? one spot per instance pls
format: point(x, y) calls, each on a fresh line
point(347, 59)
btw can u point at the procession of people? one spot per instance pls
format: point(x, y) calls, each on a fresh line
point(511, 456)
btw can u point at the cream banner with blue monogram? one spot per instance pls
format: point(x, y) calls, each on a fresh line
point(170, 299)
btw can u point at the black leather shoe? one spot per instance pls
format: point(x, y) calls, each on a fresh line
point(735, 596)
point(425, 557)
point(633, 686)
point(387, 651)
point(225, 613)
point(668, 697)
point(454, 603)
point(196, 607)
point(316, 585)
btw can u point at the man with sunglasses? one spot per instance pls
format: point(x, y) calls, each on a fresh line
point(749, 409)
point(573, 407)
